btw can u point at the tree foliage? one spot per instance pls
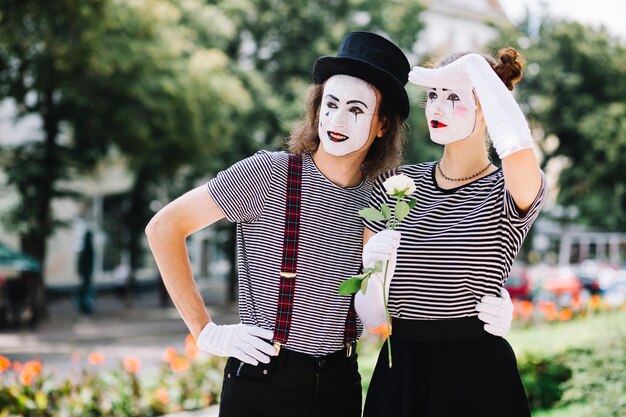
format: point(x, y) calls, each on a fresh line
point(573, 94)
point(125, 76)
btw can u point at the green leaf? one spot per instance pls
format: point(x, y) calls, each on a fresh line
point(364, 285)
point(371, 214)
point(368, 271)
point(385, 210)
point(412, 203)
point(350, 286)
point(402, 209)
point(378, 266)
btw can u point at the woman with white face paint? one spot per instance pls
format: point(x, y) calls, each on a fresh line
point(458, 246)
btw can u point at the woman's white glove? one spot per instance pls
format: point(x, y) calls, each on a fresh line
point(383, 246)
point(506, 123)
point(497, 313)
point(249, 344)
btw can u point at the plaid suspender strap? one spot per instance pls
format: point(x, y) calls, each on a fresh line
point(290, 261)
point(290, 252)
point(349, 335)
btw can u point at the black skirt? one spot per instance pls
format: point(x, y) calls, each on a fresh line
point(446, 368)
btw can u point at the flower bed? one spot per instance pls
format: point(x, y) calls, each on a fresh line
point(185, 380)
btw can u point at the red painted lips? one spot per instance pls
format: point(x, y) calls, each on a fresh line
point(437, 124)
point(336, 137)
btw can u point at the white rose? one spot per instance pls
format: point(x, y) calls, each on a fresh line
point(399, 186)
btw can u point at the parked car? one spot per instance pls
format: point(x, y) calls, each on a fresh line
point(518, 283)
point(16, 301)
point(563, 287)
point(615, 292)
point(589, 272)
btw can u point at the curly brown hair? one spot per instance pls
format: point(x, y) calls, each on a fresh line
point(385, 153)
point(508, 66)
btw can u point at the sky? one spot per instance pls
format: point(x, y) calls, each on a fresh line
point(610, 13)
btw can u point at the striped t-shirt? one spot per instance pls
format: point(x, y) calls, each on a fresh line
point(457, 245)
point(252, 193)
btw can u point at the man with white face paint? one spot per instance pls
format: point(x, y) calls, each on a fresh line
point(459, 242)
point(346, 115)
point(299, 237)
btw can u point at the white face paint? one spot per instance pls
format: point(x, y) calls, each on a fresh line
point(346, 113)
point(451, 114)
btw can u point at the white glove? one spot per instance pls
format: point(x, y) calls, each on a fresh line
point(383, 246)
point(497, 313)
point(240, 341)
point(506, 123)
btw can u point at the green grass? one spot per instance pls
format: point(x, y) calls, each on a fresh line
point(551, 338)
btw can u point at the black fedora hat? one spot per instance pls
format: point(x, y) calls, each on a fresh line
point(374, 59)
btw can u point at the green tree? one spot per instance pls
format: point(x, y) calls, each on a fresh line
point(40, 56)
point(128, 78)
point(573, 94)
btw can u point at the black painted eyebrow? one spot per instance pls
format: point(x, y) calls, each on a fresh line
point(358, 101)
point(349, 102)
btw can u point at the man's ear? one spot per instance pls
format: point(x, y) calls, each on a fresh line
point(383, 126)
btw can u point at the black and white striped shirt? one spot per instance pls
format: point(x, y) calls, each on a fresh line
point(252, 193)
point(457, 245)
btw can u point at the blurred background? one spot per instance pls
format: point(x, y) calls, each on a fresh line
point(109, 109)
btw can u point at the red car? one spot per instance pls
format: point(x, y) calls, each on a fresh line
point(518, 283)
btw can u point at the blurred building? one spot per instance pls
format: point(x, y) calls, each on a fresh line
point(458, 25)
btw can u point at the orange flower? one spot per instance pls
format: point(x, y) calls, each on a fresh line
point(577, 302)
point(17, 366)
point(132, 364)
point(525, 309)
point(26, 378)
point(180, 364)
point(549, 310)
point(191, 348)
point(30, 370)
point(380, 330)
point(95, 358)
point(5, 363)
point(595, 302)
point(34, 367)
point(162, 396)
point(565, 314)
point(169, 354)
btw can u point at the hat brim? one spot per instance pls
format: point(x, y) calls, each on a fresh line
point(327, 66)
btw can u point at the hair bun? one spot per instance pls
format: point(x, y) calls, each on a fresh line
point(509, 68)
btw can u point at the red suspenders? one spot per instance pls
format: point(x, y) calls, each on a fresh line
point(290, 252)
point(290, 261)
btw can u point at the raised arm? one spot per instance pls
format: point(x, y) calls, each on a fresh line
point(505, 121)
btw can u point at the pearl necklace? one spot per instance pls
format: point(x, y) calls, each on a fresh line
point(464, 178)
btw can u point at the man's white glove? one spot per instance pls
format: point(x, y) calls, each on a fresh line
point(506, 123)
point(383, 246)
point(240, 341)
point(497, 313)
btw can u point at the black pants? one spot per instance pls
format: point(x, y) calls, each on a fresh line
point(293, 385)
point(446, 368)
